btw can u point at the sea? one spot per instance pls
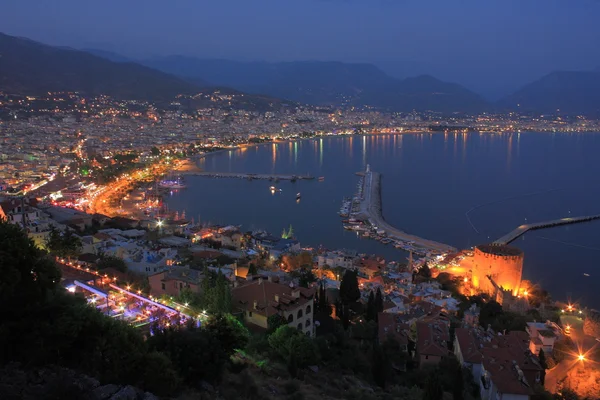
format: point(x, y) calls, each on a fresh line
point(461, 189)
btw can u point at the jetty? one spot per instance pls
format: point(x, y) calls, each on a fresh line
point(371, 211)
point(512, 235)
point(248, 176)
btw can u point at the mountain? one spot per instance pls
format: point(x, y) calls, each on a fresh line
point(571, 92)
point(326, 83)
point(109, 55)
point(28, 67)
point(425, 93)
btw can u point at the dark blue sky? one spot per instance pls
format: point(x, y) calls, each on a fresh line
point(491, 46)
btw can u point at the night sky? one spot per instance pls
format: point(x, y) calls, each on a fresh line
point(491, 46)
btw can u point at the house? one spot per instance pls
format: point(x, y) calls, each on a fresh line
point(467, 349)
point(24, 212)
point(229, 237)
point(370, 266)
point(69, 216)
point(471, 316)
point(145, 261)
point(259, 299)
point(509, 369)
point(541, 336)
point(173, 280)
point(390, 326)
point(337, 259)
point(432, 342)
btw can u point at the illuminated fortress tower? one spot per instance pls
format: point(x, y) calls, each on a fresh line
point(503, 264)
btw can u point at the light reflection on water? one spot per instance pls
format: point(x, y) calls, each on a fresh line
point(429, 183)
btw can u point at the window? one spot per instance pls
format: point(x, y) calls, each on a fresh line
point(299, 314)
point(427, 357)
point(300, 326)
point(307, 323)
point(163, 286)
point(180, 285)
point(308, 310)
point(250, 314)
point(290, 318)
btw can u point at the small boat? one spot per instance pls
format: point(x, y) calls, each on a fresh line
point(586, 274)
point(280, 190)
point(272, 188)
point(321, 178)
point(298, 195)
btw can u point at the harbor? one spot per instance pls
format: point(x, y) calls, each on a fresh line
point(364, 213)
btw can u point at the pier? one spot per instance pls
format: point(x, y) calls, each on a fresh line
point(269, 177)
point(512, 235)
point(371, 210)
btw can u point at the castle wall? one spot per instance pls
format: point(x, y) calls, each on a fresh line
point(503, 264)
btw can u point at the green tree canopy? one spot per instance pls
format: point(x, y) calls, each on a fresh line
point(107, 261)
point(231, 333)
point(287, 340)
point(349, 291)
point(63, 244)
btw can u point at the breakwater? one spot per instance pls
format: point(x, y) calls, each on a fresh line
point(371, 212)
point(248, 176)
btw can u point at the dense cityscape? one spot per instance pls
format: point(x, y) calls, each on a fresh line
point(108, 293)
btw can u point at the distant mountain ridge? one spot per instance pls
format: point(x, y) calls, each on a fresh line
point(326, 83)
point(29, 67)
point(570, 92)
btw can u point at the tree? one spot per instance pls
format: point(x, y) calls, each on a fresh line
point(229, 331)
point(158, 374)
point(275, 321)
point(321, 302)
point(433, 388)
point(458, 387)
point(424, 271)
point(349, 291)
point(109, 261)
point(287, 340)
point(36, 310)
point(371, 311)
point(215, 293)
point(195, 353)
point(381, 366)
point(306, 277)
point(544, 365)
point(64, 244)
point(378, 301)
point(155, 151)
point(27, 275)
point(252, 270)
point(345, 316)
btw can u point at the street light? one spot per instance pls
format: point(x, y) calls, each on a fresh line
point(581, 357)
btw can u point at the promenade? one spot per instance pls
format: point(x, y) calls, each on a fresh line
point(512, 235)
point(371, 210)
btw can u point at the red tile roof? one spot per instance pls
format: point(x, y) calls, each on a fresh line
point(270, 297)
point(508, 361)
point(470, 345)
point(432, 338)
point(390, 325)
